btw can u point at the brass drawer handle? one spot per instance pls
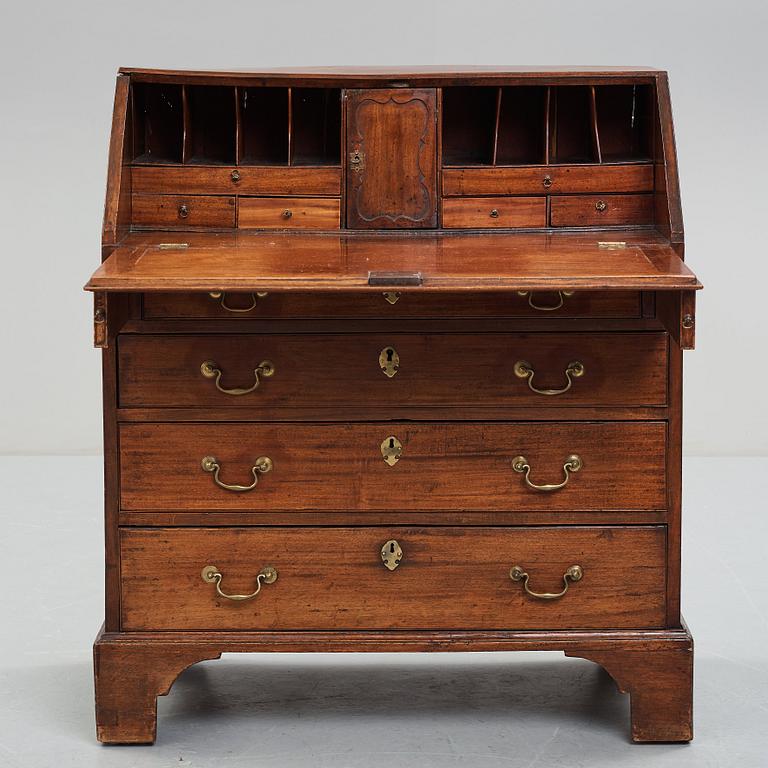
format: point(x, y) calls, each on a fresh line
point(235, 176)
point(211, 370)
point(524, 370)
point(546, 308)
point(574, 573)
point(547, 182)
point(287, 213)
point(183, 211)
point(262, 466)
point(600, 206)
point(572, 464)
point(212, 575)
point(494, 214)
point(223, 296)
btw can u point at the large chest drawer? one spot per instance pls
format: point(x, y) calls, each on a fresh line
point(379, 370)
point(388, 305)
point(394, 466)
point(445, 578)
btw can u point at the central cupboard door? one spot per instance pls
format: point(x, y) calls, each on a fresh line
point(391, 158)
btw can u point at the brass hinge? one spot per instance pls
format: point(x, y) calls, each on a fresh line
point(100, 320)
point(611, 245)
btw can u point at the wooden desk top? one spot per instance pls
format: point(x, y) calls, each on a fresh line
point(240, 261)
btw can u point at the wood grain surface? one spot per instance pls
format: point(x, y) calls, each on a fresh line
point(448, 578)
point(449, 465)
point(434, 370)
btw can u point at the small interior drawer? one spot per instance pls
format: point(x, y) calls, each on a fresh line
point(241, 180)
point(493, 212)
point(548, 179)
point(439, 578)
point(182, 211)
point(289, 213)
point(601, 210)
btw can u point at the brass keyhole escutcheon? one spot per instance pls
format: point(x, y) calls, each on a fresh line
point(356, 160)
point(391, 554)
point(391, 297)
point(391, 450)
point(389, 361)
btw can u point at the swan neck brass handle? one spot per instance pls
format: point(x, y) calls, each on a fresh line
point(221, 297)
point(546, 307)
point(572, 464)
point(261, 467)
point(212, 575)
point(524, 370)
point(211, 370)
point(574, 573)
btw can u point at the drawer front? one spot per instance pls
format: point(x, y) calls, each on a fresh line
point(447, 578)
point(485, 212)
point(552, 179)
point(249, 306)
point(182, 211)
point(441, 466)
point(289, 213)
point(242, 180)
point(601, 210)
point(380, 370)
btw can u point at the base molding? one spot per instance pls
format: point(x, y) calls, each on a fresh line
point(131, 669)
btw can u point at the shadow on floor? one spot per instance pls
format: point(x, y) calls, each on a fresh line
point(572, 692)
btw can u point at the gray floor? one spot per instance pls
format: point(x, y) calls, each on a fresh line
point(379, 710)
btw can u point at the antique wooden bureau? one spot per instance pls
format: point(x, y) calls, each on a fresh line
point(392, 361)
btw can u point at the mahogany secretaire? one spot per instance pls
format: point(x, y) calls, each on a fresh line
point(393, 362)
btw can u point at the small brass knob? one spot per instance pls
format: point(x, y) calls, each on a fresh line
point(235, 176)
point(600, 205)
point(494, 214)
point(287, 213)
point(183, 211)
point(547, 182)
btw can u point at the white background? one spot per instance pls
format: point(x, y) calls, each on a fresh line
point(58, 61)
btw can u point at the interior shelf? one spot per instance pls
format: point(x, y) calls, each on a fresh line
point(469, 121)
point(573, 138)
point(521, 136)
point(625, 122)
point(158, 123)
point(264, 126)
point(315, 126)
point(211, 125)
point(227, 125)
point(543, 125)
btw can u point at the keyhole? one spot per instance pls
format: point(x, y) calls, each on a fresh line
point(390, 352)
point(391, 442)
point(392, 548)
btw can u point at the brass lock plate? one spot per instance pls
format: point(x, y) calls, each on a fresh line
point(391, 450)
point(391, 554)
point(389, 361)
point(357, 160)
